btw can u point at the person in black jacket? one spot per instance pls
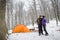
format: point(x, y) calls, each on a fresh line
point(39, 22)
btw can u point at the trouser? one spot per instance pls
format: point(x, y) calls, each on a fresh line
point(44, 27)
point(40, 29)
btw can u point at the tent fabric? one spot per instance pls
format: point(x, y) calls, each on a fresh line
point(20, 28)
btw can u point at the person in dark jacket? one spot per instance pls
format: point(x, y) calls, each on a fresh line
point(44, 25)
point(39, 22)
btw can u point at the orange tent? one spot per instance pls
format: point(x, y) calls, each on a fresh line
point(20, 28)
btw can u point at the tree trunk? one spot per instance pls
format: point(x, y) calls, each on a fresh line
point(3, 28)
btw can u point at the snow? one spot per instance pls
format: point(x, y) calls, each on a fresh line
point(53, 30)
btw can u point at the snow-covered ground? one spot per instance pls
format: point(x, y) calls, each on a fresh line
point(53, 30)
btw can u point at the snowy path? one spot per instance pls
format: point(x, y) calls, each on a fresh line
point(30, 36)
point(53, 35)
point(51, 28)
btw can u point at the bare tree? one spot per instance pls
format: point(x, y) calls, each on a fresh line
point(31, 13)
point(20, 5)
point(35, 8)
point(54, 4)
point(9, 13)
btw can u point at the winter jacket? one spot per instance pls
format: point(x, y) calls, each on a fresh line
point(39, 21)
point(43, 21)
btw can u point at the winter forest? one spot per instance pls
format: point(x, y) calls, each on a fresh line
point(26, 12)
point(19, 12)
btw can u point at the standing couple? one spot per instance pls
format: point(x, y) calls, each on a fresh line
point(41, 21)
